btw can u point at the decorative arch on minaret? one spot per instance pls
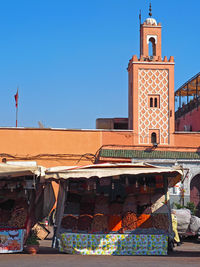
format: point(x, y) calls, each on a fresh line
point(150, 36)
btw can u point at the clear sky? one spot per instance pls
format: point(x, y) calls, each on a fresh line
point(69, 58)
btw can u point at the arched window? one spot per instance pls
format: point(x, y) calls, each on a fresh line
point(153, 138)
point(155, 102)
point(151, 102)
point(152, 47)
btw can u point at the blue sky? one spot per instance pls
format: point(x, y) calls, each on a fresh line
point(69, 58)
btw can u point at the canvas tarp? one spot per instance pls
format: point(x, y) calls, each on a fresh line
point(12, 171)
point(109, 169)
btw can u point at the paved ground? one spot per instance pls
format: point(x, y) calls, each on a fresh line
point(185, 255)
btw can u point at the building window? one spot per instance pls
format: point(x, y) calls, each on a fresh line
point(154, 101)
point(152, 47)
point(153, 138)
point(151, 102)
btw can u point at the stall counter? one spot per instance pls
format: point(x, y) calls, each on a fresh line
point(114, 244)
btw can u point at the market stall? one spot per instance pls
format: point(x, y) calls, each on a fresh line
point(17, 200)
point(114, 209)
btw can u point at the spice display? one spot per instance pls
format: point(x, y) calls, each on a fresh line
point(69, 222)
point(129, 221)
point(160, 221)
point(130, 204)
point(18, 218)
point(114, 223)
point(85, 222)
point(100, 223)
point(145, 221)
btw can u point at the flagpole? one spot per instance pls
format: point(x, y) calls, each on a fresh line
point(16, 104)
point(16, 115)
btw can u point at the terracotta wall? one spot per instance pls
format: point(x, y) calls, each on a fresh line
point(51, 147)
point(191, 118)
point(29, 144)
point(187, 141)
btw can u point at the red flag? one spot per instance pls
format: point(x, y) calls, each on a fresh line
point(16, 99)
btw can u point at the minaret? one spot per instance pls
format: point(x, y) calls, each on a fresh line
point(151, 89)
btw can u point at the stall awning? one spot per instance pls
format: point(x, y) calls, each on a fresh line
point(12, 171)
point(110, 169)
point(190, 88)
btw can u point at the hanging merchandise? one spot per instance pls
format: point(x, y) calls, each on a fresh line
point(159, 181)
point(113, 186)
point(95, 186)
point(136, 183)
point(105, 181)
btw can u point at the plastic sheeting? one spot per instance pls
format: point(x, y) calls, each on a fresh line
point(183, 218)
point(44, 201)
point(194, 224)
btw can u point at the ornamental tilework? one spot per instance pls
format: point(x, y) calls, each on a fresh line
point(113, 244)
point(153, 82)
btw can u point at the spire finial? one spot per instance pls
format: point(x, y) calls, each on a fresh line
point(150, 13)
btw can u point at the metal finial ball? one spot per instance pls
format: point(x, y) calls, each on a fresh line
point(150, 13)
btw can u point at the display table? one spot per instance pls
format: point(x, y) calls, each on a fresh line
point(113, 244)
point(11, 240)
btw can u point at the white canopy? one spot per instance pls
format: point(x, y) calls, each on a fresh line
point(11, 171)
point(109, 169)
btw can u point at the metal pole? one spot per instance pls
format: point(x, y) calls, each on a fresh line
point(197, 93)
point(16, 115)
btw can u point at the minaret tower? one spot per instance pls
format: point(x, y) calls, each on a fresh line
point(151, 89)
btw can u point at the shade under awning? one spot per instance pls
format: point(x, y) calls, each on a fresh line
point(109, 169)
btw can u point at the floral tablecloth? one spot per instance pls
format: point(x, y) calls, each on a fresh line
point(113, 244)
point(11, 241)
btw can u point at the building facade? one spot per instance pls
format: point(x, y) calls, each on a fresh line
point(148, 133)
point(151, 89)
